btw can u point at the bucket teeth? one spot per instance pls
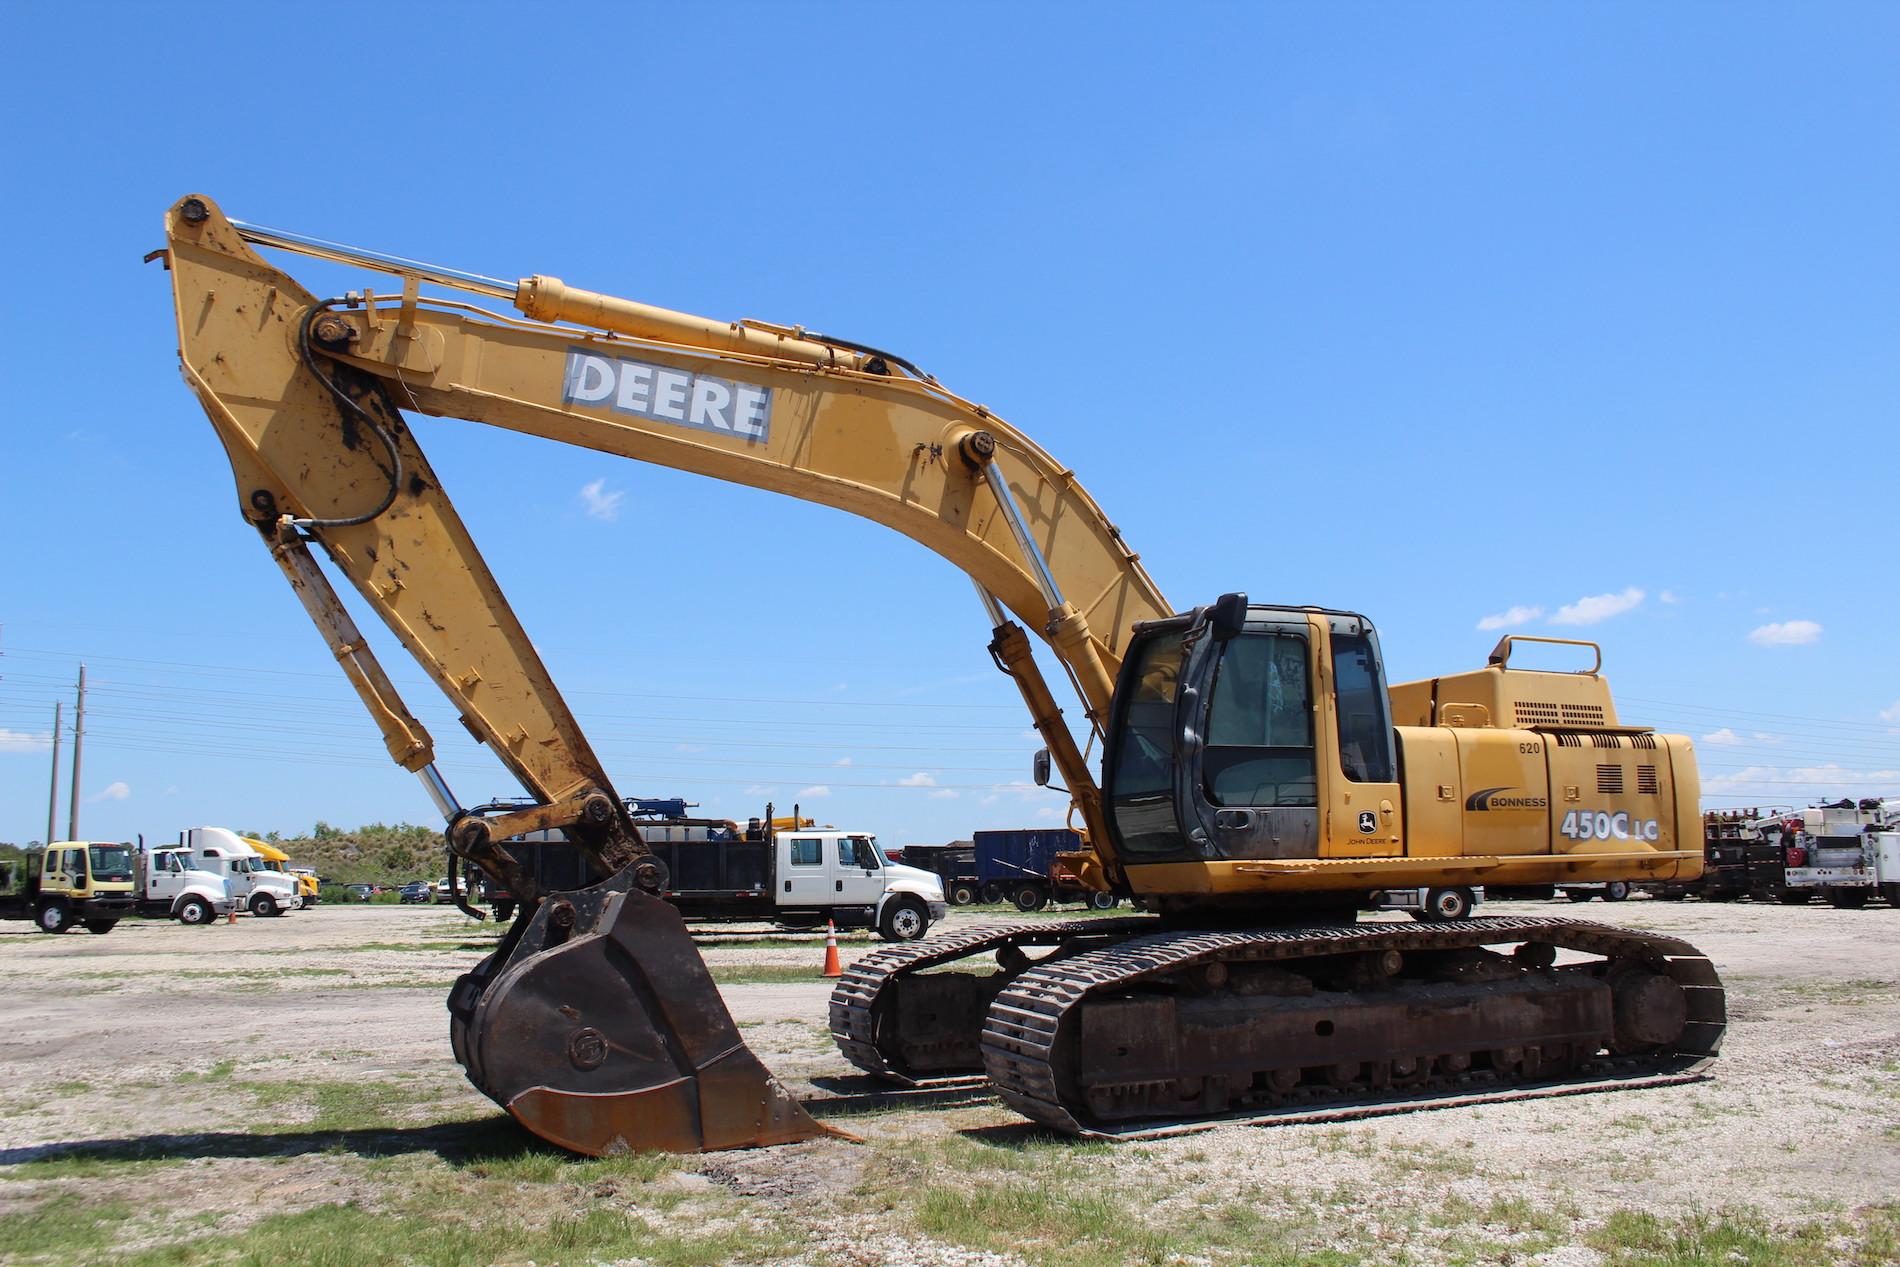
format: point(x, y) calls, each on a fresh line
point(597, 1025)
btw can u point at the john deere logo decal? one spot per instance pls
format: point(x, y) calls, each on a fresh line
point(1488, 799)
point(1368, 821)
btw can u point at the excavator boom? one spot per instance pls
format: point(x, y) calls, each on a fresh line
point(596, 1022)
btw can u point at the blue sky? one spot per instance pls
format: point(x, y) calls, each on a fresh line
point(1577, 318)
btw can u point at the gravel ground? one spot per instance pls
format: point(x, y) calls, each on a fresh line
point(225, 1052)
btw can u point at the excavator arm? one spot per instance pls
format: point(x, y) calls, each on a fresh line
point(308, 396)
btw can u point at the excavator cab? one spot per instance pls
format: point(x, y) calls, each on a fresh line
point(1243, 732)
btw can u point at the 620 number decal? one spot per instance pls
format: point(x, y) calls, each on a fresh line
point(1583, 824)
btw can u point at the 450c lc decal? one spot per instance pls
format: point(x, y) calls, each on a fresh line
point(1583, 824)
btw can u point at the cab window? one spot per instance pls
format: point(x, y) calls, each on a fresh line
point(1260, 724)
point(74, 862)
point(858, 851)
point(1365, 740)
point(808, 851)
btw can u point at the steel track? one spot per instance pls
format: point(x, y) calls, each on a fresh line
point(1020, 1031)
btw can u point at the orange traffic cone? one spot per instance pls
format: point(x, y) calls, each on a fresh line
point(230, 916)
point(832, 966)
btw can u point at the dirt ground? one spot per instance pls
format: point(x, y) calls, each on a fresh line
point(282, 1090)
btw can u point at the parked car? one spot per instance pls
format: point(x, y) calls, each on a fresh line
point(361, 892)
point(415, 891)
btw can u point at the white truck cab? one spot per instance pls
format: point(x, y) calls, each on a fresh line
point(845, 872)
point(172, 883)
point(253, 887)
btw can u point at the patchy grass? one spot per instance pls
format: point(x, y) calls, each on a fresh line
point(56, 1231)
point(345, 1106)
point(1631, 1238)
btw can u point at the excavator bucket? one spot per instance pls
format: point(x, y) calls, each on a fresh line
point(597, 1025)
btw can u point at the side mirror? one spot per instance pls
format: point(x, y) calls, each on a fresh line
point(1227, 616)
point(1041, 767)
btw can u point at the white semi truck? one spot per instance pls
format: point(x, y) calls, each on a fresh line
point(171, 883)
point(254, 887)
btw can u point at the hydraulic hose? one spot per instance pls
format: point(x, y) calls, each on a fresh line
point(343, 399)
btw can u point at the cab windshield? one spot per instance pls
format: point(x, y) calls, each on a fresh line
point(111, 862)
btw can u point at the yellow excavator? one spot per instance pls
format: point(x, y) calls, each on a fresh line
point(1260, 784)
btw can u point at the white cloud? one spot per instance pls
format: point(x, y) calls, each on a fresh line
point(944, 794)
point(115, 791)
point(1596, 607)
point(1510, 617)
point(919, 779)
point(814, 792)
point(842, 761)
point(759, 789)
point(1050, 812)
point(1670, 597)
point(1785, 783)
point(599, 503)
point(1728, 738)
point(1891, 714)
point(1785, 633)
point(23, 741)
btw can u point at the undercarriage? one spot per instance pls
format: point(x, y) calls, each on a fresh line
point(1100, 1027)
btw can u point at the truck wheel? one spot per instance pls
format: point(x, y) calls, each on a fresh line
point(963, 893)
point(1793, 897)
point(504, 911)
point(1843, 899)
point(101, 926)
point(1579, 895)
point(1616, 890)
point(195, 910)
point(905, 918)
point(53, 918)
point(263, 904)
point(1892, 893)
point(1029, 897)
point(1103, 901)
point(992, 893)
point(1444, 904)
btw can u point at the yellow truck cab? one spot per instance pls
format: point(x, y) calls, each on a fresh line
point(71, 882)
point(275, 859)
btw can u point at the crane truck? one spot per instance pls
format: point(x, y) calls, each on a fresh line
point(1260, 784)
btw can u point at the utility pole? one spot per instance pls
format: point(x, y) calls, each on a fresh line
point(79, 740)
point(52, 793)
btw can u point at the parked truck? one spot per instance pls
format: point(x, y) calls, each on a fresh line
point(1846, 851)
point(953, 864)
point(1745, 855)
point(69, 883)
point(253, 887)
point(271, 858)
point(172, 885)
point(766, 869)
point(1021, 866)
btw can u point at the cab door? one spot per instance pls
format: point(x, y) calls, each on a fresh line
point(805, 877)
point(1355, 742)
point(165, 877)
point(1255, 777)
point(858, 879)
